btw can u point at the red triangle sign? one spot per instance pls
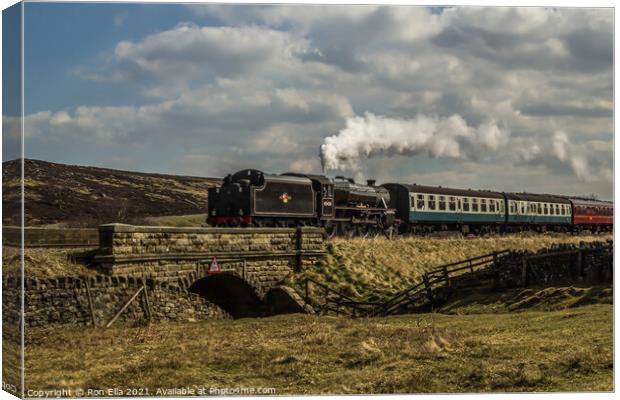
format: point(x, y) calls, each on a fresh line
point(213, 268)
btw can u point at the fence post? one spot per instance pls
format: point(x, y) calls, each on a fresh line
point(446, 277)
point(524, 271)
point(90, 302)
point(147, 304)
point(429, 292)
point(580, 262)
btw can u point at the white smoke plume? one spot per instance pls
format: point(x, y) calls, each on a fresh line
point(373, 135)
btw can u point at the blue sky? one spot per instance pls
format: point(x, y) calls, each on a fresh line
point(61, 37)
point(507, 99)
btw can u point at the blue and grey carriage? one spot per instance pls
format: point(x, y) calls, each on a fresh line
point(527, 211)
point(427, 208)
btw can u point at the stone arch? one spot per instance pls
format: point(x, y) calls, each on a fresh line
point(230, 292)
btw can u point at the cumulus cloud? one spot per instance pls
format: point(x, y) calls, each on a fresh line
point(169, 60)
point(204, 113)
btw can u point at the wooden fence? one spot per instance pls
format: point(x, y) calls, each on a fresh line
point(593, 263)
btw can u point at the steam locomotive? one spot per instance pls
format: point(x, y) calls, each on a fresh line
point(344, 207)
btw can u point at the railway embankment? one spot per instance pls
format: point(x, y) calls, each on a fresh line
point(374, 269)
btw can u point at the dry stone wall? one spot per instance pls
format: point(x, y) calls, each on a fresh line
point(590, 263)
point(84, 300)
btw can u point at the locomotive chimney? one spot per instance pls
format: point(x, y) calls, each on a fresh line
point(371, 182)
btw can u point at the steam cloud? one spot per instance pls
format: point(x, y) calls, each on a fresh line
point(373, 135)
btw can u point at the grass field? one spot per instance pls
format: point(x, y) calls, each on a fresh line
point(375, 268)
point(192, 220)
point(563, 350)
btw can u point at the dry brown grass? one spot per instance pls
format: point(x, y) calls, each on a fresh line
point(563, 350)
point(193, 220)
point(43, 263)
point(374, 268)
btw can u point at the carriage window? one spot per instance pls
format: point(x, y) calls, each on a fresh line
point(522, 207)
point(431, 202)
point(540, 211)
point(474, 205)
point(501, 206)
point(420, 202)
point(483, 205)
point(546, 209)
point(492, 206)
point(513, 207)
point(452, 204)
point(551, 207)
point(557, 209)
point(466, 204)
point(442, 203)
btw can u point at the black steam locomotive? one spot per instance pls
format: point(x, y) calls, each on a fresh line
point(253, 198)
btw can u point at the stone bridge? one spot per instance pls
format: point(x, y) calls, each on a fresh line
point(252, 261)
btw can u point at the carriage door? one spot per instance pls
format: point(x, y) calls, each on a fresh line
point(327, 201)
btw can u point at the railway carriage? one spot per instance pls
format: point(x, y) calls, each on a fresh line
point(541, 212)
point(427, 208)
point(594, 215)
